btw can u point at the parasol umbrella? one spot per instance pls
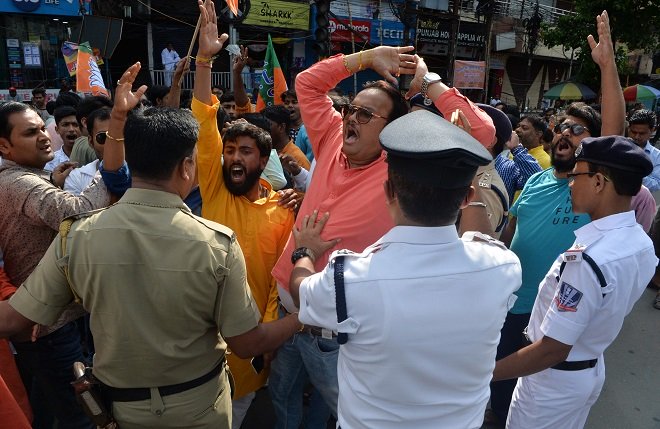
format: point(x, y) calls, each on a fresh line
point(570, 91)
point(641, 93)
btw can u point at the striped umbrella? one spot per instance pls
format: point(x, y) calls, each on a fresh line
point(570, 91)
point(640, 93)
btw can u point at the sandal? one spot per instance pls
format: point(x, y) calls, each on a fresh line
point(656, 302)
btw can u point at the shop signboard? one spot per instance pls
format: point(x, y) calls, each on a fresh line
point(31, 54)
point(392, 33)
point(44, 7)
point(277, 13)
point(339, 30)
point(431, 29)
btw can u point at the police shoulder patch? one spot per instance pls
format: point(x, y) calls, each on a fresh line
point(567, 297)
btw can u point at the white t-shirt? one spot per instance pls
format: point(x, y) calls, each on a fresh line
point(425, 309)
point(80, 178)
point(59, 158)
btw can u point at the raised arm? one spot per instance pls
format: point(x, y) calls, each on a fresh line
point(613, 106)
point(173, 98)
point(240, 96)
point(205, 105)
point(312, 85)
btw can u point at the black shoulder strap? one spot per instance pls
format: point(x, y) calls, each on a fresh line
point(340, 297)
point(593, 265)
point(505, 206)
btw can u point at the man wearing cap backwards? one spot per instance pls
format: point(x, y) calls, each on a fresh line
point(543, 220)
point(399, 297)
point(588, 291)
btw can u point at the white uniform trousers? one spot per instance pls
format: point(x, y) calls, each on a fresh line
point(555, 399)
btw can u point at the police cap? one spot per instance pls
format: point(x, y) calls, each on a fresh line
point(418, 100)
point(428, 149)
point(615, 152)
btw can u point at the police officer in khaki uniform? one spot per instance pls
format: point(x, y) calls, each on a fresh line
point(166, 290)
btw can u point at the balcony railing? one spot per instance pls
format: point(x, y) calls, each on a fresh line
point(250, 80)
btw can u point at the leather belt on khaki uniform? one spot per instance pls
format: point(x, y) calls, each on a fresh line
point(131, 394)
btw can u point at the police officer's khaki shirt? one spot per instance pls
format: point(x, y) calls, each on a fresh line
point(159, 283)
point(487, 179)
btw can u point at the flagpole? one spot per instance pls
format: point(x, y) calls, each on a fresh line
point(190, 48)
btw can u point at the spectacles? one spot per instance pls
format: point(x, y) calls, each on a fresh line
point(572, 176)
point(576, 129)
point(363, 115)
point(100, 137)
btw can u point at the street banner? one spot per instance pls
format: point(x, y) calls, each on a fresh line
point(469, 74)
point(272, 83)
point(89, 76)
point(280, 14)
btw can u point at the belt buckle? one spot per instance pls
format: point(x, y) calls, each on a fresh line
point(326, 333)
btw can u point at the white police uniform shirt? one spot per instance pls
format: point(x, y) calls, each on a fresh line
point(58, 158)
point(424, 313)
point(572, 310)
point(80, 178)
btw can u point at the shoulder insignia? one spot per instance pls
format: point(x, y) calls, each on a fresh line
point(483, 238)
point(486, 180)
point(213, 225)
point(574, 254)
point(567, 298)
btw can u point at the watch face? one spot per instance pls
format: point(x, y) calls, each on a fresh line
point(432, 77)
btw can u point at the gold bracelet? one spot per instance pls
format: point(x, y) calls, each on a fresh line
point(360, 61)
point(114, 138)
point(205, 60)
point(346, 65)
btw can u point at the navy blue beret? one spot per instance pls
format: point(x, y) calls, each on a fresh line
point(418, 100)
point(616, 152)
point(503, 128)
point(428, 149)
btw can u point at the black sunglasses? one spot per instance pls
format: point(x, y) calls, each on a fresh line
point(100, 137)
point(363, 115)
point(576, 129)
point(572, 176)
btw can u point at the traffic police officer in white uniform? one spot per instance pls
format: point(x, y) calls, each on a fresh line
point(582, 301)
point(424, 307)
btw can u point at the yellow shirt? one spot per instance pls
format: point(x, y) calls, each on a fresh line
point(262, 228)
point(543, 159)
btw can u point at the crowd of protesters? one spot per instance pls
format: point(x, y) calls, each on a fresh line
point(400, 260)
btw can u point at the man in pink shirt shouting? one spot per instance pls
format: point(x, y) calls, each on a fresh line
point(347, 183)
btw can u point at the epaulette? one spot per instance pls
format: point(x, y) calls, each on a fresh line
point(486, 180)
point(351, 254)
point(224, 230)
point(483, 238)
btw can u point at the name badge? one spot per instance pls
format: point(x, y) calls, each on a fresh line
point(573, 255)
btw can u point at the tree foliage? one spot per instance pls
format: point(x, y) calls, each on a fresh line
point(635, 23)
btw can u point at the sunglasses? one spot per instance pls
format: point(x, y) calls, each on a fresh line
point(100, 137)
point(576, 129)
point(572, 176)
point(362, 115)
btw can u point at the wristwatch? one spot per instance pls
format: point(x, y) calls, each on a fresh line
point(301, 252)
point(428, 80)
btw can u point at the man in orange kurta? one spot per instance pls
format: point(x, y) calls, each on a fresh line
point(234, 195)
point(15, 409)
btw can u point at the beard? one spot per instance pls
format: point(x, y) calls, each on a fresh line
point(239, 189)
point(562, 165)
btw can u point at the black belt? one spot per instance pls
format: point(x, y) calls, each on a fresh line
point(130, 394)
point(576, 365)
point(315, 330)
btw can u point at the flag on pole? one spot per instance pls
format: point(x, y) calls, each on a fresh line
point(272, 83)
point(233, 6)
point(70, 52)
point(89, 76)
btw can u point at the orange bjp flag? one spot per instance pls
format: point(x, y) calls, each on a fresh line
point(233, 6)
point(272, 83)
point(89, 78)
